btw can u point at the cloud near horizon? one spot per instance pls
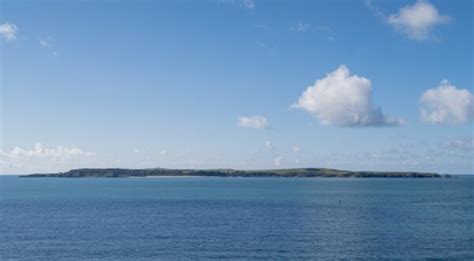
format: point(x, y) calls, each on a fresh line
point(256, 122)
point(417, 21)
point(18, 155)
point(277, 161)
point(447, 104)
point(39, 151)
point(344, 100)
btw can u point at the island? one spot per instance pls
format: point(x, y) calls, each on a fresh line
point(295, 172)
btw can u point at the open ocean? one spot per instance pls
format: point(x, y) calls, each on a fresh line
point(235, 218)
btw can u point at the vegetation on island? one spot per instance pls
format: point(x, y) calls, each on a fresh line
point(296, 172)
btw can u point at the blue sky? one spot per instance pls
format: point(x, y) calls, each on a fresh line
point(361, 85)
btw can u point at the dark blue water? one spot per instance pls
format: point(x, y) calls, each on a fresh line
point(238, 218)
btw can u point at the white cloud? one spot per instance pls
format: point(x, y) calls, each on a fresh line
point(417, 20)
point(8, 31)
point(43, 159)
point(343, 99)
point(38, 151)
point(277, 161)
point(296, 148)
point(268, 144)
point(163, 152)
point(447, 104)
point(256, 122)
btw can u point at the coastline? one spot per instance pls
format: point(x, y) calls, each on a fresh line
point(180, 173)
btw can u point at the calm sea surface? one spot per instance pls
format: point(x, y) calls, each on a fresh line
point(236, 218)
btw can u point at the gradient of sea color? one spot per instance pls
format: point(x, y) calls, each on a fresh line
point(237, 218)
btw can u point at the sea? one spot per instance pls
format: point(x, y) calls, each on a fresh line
point(236, 218)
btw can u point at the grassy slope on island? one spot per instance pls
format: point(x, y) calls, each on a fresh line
point(298, 172)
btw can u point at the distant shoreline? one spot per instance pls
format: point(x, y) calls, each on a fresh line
point(167, 177)
point(192, 173)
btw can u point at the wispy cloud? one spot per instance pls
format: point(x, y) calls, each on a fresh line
point(343, 99)
point(44, 43)
point(300, 27)
point(268, 49)
point(47, 43)
point(38, 150)
point(268, 145)
point(263, 27)
point(277, 161)
point(460, 147)
point(249, 4)
point(256, 122)
point(41, 156)
point(8, 31)
point(374, 9)
point(437, 156)
point(296, 148)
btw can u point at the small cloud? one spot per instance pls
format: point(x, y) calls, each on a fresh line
point(256, 122)
point(268, 145)
point(44, 43)
point(296, 148)
point(47, 43)
point(342, 99)
point(268, 49)
point(447, 105)
point(375, 10)
point(320, 30)
point(277, 161)
point(416, 21)
point(136, 150)
point(249, 4)
point(263, 27)
point(163, 152)
point(300, 27)
point(8, 31)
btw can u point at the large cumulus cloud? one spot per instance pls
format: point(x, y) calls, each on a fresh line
point(342, 99)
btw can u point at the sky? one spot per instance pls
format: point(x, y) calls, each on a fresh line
point(244, 84)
